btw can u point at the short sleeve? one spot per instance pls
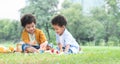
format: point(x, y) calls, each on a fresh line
point(25, 37)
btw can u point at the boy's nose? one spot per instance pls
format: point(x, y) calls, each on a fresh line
point(31, 28)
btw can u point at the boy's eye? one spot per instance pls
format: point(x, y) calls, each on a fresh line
point(28, 27)
point(57, 29)
point(32, 26)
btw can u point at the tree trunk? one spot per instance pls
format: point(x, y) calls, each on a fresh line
point(47, 30)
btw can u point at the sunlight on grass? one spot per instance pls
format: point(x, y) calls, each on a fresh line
point(91, 55)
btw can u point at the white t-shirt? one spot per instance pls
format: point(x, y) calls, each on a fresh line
point(67, 38)
point(32, 39)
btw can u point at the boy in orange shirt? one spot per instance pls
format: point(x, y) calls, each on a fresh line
point(34, 39)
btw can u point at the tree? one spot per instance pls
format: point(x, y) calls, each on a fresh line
point(82, 27)
point(108, 16)
point(113, 11)
point(10, 30)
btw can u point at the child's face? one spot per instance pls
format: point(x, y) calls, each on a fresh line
point(59, 29)
point(30, 28)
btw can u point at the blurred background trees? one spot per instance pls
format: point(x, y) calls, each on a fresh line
point(100, 26)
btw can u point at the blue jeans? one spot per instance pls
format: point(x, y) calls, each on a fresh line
point(69, 51)
point(24, 46)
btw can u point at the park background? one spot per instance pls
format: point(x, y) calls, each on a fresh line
point(91, 22)
point(95, 24)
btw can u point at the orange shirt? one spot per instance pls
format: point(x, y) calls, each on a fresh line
point(39, 36)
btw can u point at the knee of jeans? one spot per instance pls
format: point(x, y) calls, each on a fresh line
point(24, 46)
point(70, 51)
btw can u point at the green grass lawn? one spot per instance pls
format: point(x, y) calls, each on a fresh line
point(91, 55)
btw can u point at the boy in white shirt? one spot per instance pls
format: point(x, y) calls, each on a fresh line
point(66, 42)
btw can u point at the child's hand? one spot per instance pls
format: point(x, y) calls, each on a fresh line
point(43, 46)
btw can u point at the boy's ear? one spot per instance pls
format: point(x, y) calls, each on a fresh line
point(63, 26)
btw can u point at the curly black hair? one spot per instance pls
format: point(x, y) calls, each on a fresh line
point(59, 20)
point(27, 19)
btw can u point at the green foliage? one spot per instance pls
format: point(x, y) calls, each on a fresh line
point(94, 27)
point(99, 27)
point(10, 30)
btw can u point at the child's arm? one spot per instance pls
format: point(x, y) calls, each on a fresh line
point(60, 46)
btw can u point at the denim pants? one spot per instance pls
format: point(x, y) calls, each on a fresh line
point(69, 51)
point(24, 46)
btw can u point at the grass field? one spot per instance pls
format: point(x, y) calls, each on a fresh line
point(91, 55)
